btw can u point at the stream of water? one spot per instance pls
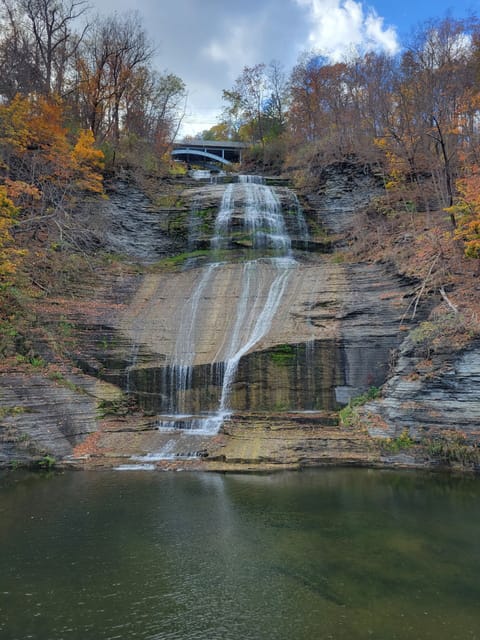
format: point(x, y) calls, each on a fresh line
point(250, 215)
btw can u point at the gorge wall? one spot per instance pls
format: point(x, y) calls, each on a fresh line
point(339, 330)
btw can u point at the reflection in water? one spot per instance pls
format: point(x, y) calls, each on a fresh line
point(326, 554)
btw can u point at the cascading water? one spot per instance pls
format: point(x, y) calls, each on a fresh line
point(249, 220)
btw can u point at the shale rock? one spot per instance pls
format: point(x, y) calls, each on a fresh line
point(43, 417)
point(428, 398)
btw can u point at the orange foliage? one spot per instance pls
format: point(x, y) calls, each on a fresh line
point(48, 138)
point(21, 192)
point(40, 169)
point(467, 208)
point(37, 153)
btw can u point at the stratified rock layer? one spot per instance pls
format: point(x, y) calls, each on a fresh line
point(44, 417)
point(432, 397)
point(335, 334)
point(337, 325)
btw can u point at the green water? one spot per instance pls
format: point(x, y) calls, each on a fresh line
point(336, 553)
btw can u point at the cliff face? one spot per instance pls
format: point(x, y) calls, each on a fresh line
point(343, 317)
point(428, 397)
point(43, 416)
point(339, 331)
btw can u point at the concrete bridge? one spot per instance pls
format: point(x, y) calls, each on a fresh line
point(204, 151)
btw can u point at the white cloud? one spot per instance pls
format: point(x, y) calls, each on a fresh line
point(338, 27)
point(237, 47)
point(379, 38)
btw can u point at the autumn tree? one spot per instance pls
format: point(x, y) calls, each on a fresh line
point(275, 107)
point(321, 106)
point(220, 131)
point(42, 167)
point(9, 255)
point(245, 102)
point(255, 107)
point(87, 163)
point(154, 106)
point(102, 74)
point(467, 210)
point(442, 74)
point(109, 65)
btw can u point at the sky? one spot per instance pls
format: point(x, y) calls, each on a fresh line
point(207, 43)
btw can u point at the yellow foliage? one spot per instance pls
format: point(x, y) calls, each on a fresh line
point(8, 254)
point(87, 162)
point(381, 143)
point(467, 209)
point(14, 129)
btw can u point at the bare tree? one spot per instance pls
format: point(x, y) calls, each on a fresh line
point(277, 86)
point(107, 63)
point(441, 77)
point(154, 106)
point(50, 23)
point(19, 70)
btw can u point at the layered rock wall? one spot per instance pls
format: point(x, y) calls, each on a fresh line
point(340, 329)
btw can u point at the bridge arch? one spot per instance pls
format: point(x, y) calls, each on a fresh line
point(197, 152)
point(224, 152)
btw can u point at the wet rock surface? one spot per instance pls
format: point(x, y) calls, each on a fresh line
point(44, 416)
point(339, 331)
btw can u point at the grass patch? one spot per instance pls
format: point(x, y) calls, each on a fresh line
point(59, 378)
point(338, 258)
point(348, 415)
point(47, 463)
point(179, 260)
point(282, 354)
point(395, 445)
point(178, 226)
point(37, 362)
point(11, 411)
point(206, 219)
point(453, 448)
point(169, 201)
point(65, 327)
point(209, 212)
point(451, 330)
point(117, 407)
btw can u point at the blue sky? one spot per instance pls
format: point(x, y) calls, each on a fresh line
point(405, 14)
point(208, 42)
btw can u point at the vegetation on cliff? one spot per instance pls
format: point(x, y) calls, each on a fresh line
point(79, 98)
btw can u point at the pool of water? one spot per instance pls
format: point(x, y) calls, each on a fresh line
point(344, 554)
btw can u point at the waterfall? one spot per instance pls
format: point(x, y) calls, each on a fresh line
point(180, 369)
point(250, 215)
point(264, 219)
point(259, 328)
point(300, 223)
point(223, 219)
